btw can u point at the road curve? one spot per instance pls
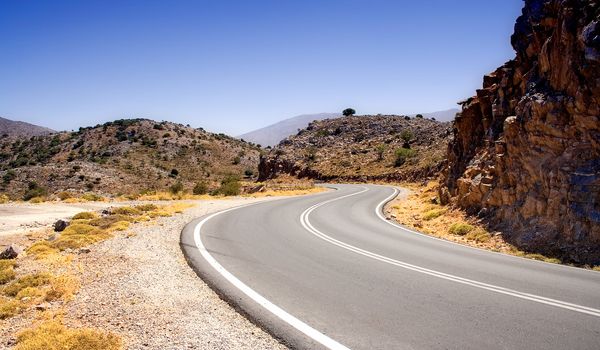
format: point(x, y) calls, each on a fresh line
point(328, 271)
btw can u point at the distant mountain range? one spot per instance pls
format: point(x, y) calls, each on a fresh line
point(11, 128)
point(271, 135)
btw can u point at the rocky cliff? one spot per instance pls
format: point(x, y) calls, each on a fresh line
point(361, 148)
point(526, 148)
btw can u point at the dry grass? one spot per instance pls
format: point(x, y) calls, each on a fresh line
point(32, 280)
point(86, 215)
point(7, 272)
point(128, 211)
point(419, 212)
point(9, 308)
point(53, 335)
point(42, 249)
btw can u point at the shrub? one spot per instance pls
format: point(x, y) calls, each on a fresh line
point(406, 135)
point(248, 173)
point(54, 335)
point(176, 188)
point(230, 186)
point(128, 211)
point(174, 173)
point(348, 112)
point(7, 272)
point(420, 116)
point(478, 235)
point(86, 215)
point(63, 195)
point(9, 176)
point(92, 197)
point(9, 308)
point(380, 149)
point(432, 214)
point(42, 249)
point(200, 188)
point(34, 190)
point(33, 280)
point(402, 154)
point(460, 229)
point(146, 207)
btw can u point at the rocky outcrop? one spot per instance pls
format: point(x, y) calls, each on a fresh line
point(361, 148)
point(526, 149)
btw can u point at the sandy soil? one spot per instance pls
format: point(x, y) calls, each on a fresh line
point(139, 286)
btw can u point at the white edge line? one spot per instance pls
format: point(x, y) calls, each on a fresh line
point(304, 219)
point(262, 301)
point(379, 212)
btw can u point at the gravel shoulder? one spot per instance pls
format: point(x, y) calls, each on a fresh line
point(139, 285)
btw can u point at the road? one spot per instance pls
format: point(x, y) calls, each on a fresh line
point(328, 271)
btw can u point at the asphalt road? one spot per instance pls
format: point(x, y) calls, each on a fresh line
point(328, 271)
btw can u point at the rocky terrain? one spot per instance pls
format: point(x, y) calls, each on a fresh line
point(121, 157)
point(11, 128)
point(526, 149)
point(361, 148)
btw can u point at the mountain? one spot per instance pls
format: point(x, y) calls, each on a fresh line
point(361, 148)
point(126, 156)
point(272, 134)
point(12, 128)
point(526, 149)
point(442, 116)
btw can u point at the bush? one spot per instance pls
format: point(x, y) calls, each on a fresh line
point(460, 229)
point(33, 280)
point(432, 214)
point(380, 149)
point(86, 215)
point(200, 188)
point(146, 207)
point(9, 308)
point(53, 335)
point(7, 272)
point(420, 116)
point(248, 173)
point(230, 186)
point(176, 188)
point(406, 135)
point(348, 112)
point(9, 176)
point(478, 235)
point(174, 173)
point(127, 211)
point(34, 190)
point(402, 154)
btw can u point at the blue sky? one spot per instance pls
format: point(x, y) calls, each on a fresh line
point(234, 66)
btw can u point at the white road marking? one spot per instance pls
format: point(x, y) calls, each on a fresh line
point(304, 219)
point(274, 309)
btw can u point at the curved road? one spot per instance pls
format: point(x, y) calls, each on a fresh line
point(328, 271)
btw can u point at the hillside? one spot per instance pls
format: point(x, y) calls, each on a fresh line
point(361, 148)
point(122, 157)
point(12, 128)
point(272, 134)
point(526, 148)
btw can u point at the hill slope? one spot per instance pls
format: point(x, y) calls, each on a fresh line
point(12, 128)
point(123, 157)
point(361, 148)
point(526, 149)
point(272, 134)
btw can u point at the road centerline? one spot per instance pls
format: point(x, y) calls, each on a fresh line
point(305, 221)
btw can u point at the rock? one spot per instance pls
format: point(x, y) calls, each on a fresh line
point(83, 250)
point(43, 306)
point(11, 252)
point(526, 149)
point(61, 225)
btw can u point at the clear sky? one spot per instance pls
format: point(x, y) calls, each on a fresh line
point(234, 66)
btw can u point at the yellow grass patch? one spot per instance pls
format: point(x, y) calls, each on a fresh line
point(9, 308)
point(7, 272)
point(33, 280)
point(42, 249)
point(53, 335)
point(86, 215)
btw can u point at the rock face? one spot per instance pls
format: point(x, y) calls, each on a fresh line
point(526, 148)
point(361, 148)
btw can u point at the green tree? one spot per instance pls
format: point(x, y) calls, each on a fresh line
point(406, 135)
point(348, 112)
point(402, 154)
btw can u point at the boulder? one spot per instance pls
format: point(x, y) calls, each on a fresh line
point(61, 225)
point(11, 252)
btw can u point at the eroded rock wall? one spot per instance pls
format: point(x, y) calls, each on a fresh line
point(526, 149)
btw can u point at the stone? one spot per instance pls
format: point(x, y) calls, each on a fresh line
point(61, 225)
point(525, 152)
point(84, 250)
point(11, 252)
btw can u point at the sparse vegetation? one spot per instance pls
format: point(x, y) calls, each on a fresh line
point(200, 188)
point(34, 190)
point(86, 215)
point(460, 229)
point(7, 272)
point(402, 154)
point(176, 188)
point(52, 334)
point(230, 186)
